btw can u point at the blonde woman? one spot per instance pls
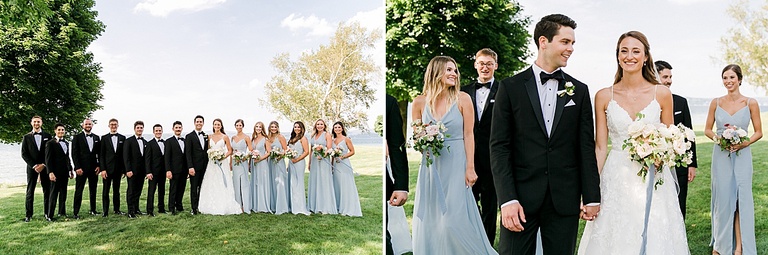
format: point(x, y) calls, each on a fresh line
point(261, 178)
point(321, 195)
point(276, 142)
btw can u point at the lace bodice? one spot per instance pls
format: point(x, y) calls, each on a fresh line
point(619, 120)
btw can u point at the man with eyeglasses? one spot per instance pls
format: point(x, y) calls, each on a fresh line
point(482, 92)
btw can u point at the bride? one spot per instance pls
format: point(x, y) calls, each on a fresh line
point(618, 228)
point(217, 196)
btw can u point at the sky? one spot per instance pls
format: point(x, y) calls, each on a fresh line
point(685, 33)
point(168, 60)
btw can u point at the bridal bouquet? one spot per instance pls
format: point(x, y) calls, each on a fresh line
point(240, 157)
point(657, 145)
point(291, 154)
point(429, 138)
point(732, 135)
point(217, 154)
point(276, 153)
point(320, 151)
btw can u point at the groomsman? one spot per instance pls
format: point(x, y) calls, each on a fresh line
point(176, 168)
point(135, 167)
point(33, 153)
point(396, 180)
point(112, 166)
point(85, 151)
point(196, 144)
point(155, 161)
point(482, 93)
point(59, 169)
point(682, 115)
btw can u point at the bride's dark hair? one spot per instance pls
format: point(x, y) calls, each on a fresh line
point(294, 136)
point(220, 123)
point(649, 70)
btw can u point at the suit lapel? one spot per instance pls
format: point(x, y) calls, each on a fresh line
point(559, 106)
point(473, 94)
point(533, 95)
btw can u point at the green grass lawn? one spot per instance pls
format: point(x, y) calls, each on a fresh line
point(698, 224)
point(199, 234)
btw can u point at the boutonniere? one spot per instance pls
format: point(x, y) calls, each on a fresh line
point(205, 136)
point(569, 89)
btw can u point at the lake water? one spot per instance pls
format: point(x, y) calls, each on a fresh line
point(13, 169)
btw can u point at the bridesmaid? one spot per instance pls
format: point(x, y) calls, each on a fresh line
point(321, 196)
point(242, 186)
point(347, 199)
point(279, 172)
point(733, 208)
point(296, 167)
point(261, 179)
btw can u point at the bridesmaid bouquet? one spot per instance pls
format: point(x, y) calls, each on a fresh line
point(255, 154)
point(240, 157)
point(429, 138)
point(337, 153)
point(320, 151)
point(276, 153)
point(658, 144)
point(732, 135)
point(217, 155)
point(291, 154)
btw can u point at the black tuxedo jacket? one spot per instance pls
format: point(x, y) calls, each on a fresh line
point(683, 115)
point(57, 159)
point(134, 160)
point(396, 146)
point(29, 152)
point(154, 159)
point(82, 157)
point(197, 157)
point(109, 159)
point(483, 126)
point(175, 160)
point(525, 161)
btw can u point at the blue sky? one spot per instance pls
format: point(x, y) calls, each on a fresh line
point(167, 60)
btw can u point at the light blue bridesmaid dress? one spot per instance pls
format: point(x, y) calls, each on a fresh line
point(445, 215)
point(261, 181)
point(321, 196)
point(347, 199)
point(296, 170)
point(240, 178)
point(732, 188)
point(279, 181)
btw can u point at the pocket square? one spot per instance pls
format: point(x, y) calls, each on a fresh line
point(678, 112)
point(570, 103)
point(493, 101)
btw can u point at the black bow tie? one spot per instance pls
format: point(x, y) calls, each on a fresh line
point(201, 133)
point(89, 135)
point(181, 139)
point(161, 140)
point(480, 85)
point(557, 75)
point(37, 133)
point(140, 138)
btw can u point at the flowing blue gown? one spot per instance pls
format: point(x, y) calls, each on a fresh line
point(445, 215)
point(732, 188)
point(347, 199)
point(261, 181)
point(279, 182)
point(240, 181)
point(296, 170)
point(321, 196)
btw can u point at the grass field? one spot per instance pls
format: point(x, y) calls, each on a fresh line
point(698, 224)
point(199, 234)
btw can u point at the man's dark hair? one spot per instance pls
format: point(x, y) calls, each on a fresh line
point(661, 65)
point(550, 25)
point(177, 123)
point(156, 126)
point(138, 122)
point(58, 125)
point(199, 116)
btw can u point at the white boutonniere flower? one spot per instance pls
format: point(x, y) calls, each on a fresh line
point(569, 89)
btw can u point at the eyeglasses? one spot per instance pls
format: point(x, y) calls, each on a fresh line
point(485, 64)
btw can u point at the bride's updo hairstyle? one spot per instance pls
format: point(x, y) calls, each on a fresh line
point(294, 136)
point(649, 70)
point(314, 127)
point(263, 133)
point(221, 124)
point(433, 81)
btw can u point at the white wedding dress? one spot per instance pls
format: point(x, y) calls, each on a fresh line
point(217, 196)
point(619, 225)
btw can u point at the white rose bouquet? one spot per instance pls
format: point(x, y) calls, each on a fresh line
point(291, 154)
point(320, 151)
point(240, 157)
point(429, 138)
point(276, 153)
point(217, 155)
point(732, 136)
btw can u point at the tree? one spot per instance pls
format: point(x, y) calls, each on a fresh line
point(45, 68)
point(333, 83)
point(747, 44)
point(379, 125)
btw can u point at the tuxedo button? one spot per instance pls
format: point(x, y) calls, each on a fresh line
point(549, 149)
point(546, 172)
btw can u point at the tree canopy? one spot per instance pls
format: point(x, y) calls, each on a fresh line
point(746, 44)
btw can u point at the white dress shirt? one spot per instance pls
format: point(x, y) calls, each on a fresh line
point(547, 97)
point(89, 140)
point(481, 96)
point(162, 146)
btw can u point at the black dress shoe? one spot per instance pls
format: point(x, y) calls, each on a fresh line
point(49, 219)
point(193, 212)
point(151, 214)
point(60, 215)
point(94, 213)
point(132, 216)
point(119, 213)
point(75, 217)
point(137, 212)
point(173, 212)
point(162, 211)
point(104, 215)
point(27, 219)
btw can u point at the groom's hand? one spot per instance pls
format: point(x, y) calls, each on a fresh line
point(511, 216)
point(590, 212)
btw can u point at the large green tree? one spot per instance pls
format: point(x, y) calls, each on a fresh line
point(746, 44)
point(334, 82)
point(45, 68)
point(418, 30)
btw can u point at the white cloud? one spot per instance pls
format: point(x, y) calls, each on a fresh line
point(162, 8)
point(255, 83)
point(689, 2)
point(317, 26)
point(373, 19)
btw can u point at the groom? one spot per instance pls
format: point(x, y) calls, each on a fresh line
point(196, 144)
point(543, 149)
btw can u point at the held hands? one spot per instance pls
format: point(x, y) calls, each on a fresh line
point(589, 213)
point(511, 216)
